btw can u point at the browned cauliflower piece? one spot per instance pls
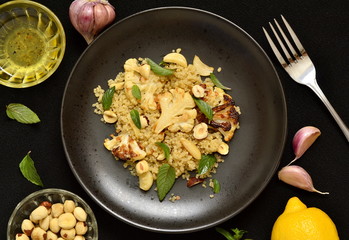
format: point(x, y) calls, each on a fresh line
point(225, 113)
point(124, 147)
point(177, 109)
point(226, 118)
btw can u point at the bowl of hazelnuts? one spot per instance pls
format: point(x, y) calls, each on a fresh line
point(52, 214)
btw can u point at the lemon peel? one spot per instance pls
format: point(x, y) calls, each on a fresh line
point(298, 222)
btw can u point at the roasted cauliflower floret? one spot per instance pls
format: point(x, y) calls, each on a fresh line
point(226, 118)
point(177, 108)
point(131, 78)
point(136, 74)
point(148, 90)
point(184, 123)
point(125, 148)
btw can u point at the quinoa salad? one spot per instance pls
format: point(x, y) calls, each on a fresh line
point(172, 120)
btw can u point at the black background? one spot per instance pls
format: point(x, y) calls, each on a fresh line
point(322, 27)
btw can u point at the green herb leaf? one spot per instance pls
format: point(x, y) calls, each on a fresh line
point(216, 186)
point(157, 69)
point(165, 148)
point(29, 171)
point(165, 180)
point(21, 113)
point(136, 92)
point(107, 98)
point(216, 82)
point(206, 163)
point(135, 118)
point(225, 233)
point(238, 234)
point(204, 108)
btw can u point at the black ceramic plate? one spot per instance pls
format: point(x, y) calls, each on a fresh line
point(255, 150)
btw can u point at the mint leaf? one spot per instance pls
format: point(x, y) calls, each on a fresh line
point(216, 186)
point(29, 171)
point(206, 163)
point(21, 113)
point(135, 118)
point(165, 148)
point(107, 98)
point(204, 108)
point(217, 83)
point(157, 69)
point(136, 92)
point(165, 180)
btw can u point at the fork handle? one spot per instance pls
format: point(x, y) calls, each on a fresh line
point(315, 87)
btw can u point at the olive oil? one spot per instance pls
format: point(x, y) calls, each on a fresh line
point(25, 46)
point(32, 43)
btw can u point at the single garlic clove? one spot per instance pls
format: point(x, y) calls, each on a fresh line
point(177, 58)
point(85, 22)
point(296, 176)
point(101, 17)
point(303, 139)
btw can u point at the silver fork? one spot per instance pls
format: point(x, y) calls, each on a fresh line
point(300, 67)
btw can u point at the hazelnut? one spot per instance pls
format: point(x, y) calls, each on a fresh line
point(198, 91)
point(66, 221)
point(27, 227)
point(51, 236)
point(56, 209)
point(54, 227)
point(39, 213)
point(69, 206)
point(80, 214)
point(223, 148)
point(21, 236)
point(45, 223)
point(142, 167)
point(200, 131)
point(68, 234)
point(81, 228)
point(47, 205)
point(79, 237)
point(38, 234)
point(109, 116)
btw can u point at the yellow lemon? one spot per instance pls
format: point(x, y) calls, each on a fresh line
point(298, 222)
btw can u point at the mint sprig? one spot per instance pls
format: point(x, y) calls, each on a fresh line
point(136, 92)
point(28, 170)
point(107, 98)
point(165, 180)
point(135, 118)
point(204, 108)
point(217, 83)
point(206, 163)
point(21, 113)
point(165, 148)
point(157, 69)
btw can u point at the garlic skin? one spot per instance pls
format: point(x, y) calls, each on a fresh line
point(296, 176)
point(303, 139)
point(90, 17)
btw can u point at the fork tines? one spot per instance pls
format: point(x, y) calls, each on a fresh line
point(291, 54)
